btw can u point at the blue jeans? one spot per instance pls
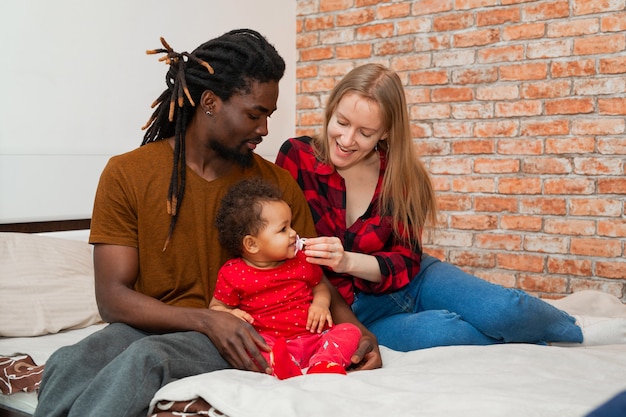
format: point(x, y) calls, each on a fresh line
point(445, 306)
point(117, 370)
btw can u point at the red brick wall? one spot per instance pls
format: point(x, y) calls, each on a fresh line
point(518, 110)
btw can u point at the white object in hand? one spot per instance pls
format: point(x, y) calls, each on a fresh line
point(300, 241)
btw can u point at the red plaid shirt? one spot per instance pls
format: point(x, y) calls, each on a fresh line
point(372, 233)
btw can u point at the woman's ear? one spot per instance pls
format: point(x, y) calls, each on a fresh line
point(250, 244)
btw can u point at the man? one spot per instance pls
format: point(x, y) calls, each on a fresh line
point(156, 253)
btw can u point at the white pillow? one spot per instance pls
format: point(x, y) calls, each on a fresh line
point(46, 285)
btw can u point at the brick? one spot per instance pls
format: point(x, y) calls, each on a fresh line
point(546, 244)
point(474, 75)
point(549, 49)
point(547, 166)
point(520, 146)
point(431, 77)
point(606, 248)
point(354, 51)
point(567, 266)
point(612, 146)
point(530, 71)
point(473, 221)
point(503, 128)
point(493, 17)
point(545, 127)
point(544, 206)
point(495, 204)
point(390, 11)
point(578, 68)
point(523, 262)
point(331, 37)
point(496, 166)
point(522, 223)
point(614, 22)
point(596, 87)
point(307, 40)
point(546, 89)
point(596, 207)
point(545, 11)
point(569, 226)
point(596, 126)
point(472, 146)
point(523, 31)
point(428, 7)
point(463, 258)
point(316, 54)
point(375, 31)
point(410, 62)
point(454, 202)
point(612, 106)
point(598, 166)
point(472, 111)
point(319, 23)
point(429, 112)
point(570, 106)
point(451, 59)
point(612, 227)
point(519, 186)
point(613, 65)
point(568, 28)
point(582, 7)
point(394, 47)
point(474, 4)
point(413, 25)
point(497, 92)
point(473, 185)
point(542, 283)
point(356, 17)
point(509, 53)
point(334, 5)
point(570, 145)
point(604, 44)
point(476, 38)
point(452, 21)
point(570, 186)
point(450, 166)
point(614, 269)
point(518, 108)
point(452, 94)
point(500, 241)
point(612, 185)
point(451, 130)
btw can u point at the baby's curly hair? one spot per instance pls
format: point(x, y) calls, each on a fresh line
point(240, 210)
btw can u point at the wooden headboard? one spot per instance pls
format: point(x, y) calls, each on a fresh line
point(46, 226)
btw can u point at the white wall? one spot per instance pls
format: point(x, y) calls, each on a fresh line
point(77, 87)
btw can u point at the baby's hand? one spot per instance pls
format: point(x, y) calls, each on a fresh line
point(319, 315)
point(242, 315)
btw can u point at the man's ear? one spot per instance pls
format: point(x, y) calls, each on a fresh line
point(250, 244)
point(209, 101)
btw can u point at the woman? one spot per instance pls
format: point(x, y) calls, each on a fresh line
point(366, 186)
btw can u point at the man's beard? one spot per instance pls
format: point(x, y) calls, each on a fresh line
point(244, 159)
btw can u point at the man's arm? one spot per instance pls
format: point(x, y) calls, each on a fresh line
point(116, 270)
point(367, 355)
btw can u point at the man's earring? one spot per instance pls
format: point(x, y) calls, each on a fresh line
point(208, 113)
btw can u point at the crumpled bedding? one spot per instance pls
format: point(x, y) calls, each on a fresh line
point(513, 380)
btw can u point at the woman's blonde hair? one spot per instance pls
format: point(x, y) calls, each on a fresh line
point(407, 193)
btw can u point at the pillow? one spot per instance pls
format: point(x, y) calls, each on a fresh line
point(47, 285)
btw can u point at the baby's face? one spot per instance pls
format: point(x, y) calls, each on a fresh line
point(277, 241)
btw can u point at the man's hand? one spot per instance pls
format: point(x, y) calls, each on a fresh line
point(367, 355)
point(237, 341)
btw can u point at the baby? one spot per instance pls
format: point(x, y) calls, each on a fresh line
point(270, 285)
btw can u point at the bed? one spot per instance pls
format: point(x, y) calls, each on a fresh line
point(502, 380)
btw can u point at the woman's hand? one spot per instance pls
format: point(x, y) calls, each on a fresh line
point(327, 251)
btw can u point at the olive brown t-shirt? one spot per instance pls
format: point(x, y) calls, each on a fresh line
point(130, 210)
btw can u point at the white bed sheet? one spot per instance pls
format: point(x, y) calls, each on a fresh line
point(39, 348)
point(512, 380)
point(462, 381)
